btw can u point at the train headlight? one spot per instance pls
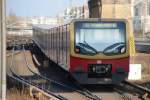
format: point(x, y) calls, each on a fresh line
point(123, 50)
point(94, 69)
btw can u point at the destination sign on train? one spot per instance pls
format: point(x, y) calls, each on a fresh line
point(99, 25)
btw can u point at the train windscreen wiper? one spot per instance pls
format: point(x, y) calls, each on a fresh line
point(91, 47)
point(116, 48)
point(86, 45)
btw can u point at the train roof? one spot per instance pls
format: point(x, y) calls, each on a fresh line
point(99, 19)
point(44, 26)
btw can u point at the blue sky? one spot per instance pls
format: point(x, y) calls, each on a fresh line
point(38, 7)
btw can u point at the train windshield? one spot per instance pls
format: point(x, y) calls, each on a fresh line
point(100, 37)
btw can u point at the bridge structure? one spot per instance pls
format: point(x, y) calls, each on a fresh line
point(18, 28)
point(19, 31)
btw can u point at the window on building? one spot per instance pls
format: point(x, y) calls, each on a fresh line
point(136, 12)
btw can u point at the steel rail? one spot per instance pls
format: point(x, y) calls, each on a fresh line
point(142, 92)
point(33, 84)
point(124, 96)
point(85, 92)
point(8, 55)
point(141, 88)
point(40, 89)
point(28, 84)
point(36, 61)
point(58, 84)
point(22, 80)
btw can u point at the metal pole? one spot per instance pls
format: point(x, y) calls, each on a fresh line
point(2, 51)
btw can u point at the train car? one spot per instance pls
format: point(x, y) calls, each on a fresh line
point(94, 51)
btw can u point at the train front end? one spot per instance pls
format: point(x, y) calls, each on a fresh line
point(99, 51)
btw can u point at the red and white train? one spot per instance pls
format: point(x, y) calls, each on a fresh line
point(94, 51)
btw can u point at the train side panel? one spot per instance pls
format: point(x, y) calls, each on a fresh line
point(54, 43)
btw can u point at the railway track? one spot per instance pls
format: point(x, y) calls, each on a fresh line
point(8, 54)
point(130, 91)
point(82, 91)
point(44, 84)
point(142, 92)
point(125, 95)
point(22, 80)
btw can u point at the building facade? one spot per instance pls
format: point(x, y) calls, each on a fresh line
point(74, 12)
point(141, 17)
point(24, 24)
point(45, 20)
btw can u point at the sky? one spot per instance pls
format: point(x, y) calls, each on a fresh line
point(38, 7)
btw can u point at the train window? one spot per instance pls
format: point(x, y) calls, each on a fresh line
point(62, 43)
point(136, 11)
point(51, 44)
point(65, 32)
point(100, 37)
point(66, 43)
point(48, 39)
point(54, 44)
point(58, 31)
point(59, 44)
point(55, 38)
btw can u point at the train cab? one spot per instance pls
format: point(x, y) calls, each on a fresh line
point(99, 51)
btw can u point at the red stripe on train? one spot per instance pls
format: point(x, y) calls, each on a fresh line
point(116, 63)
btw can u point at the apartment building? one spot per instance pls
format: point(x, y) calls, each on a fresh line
point(141, 17)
